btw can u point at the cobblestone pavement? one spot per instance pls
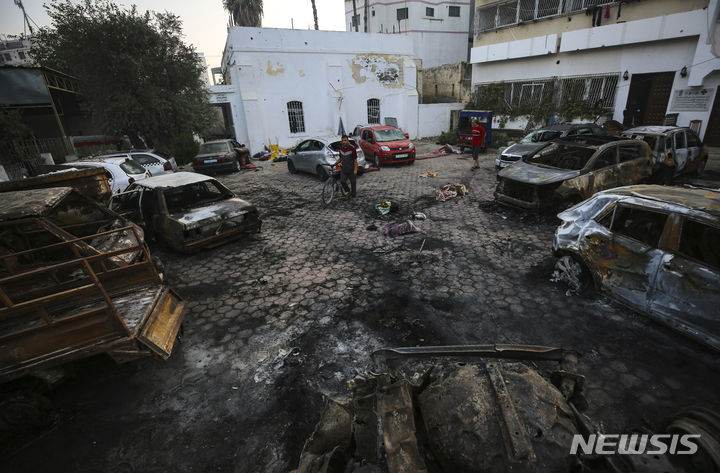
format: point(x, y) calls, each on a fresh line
point(246, 383)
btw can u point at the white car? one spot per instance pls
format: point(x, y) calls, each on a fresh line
point(154, 161)
point(120, 171)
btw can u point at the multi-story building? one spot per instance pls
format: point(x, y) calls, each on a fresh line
point(15, 52)
point(645, 61)
point(440, 30)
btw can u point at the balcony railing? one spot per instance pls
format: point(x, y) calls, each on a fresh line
point(515, 12)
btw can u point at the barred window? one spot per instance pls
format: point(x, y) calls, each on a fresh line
point(429, 11)
point(295, 117)
point(598, 90)
point(402, 13)
point(373, 111)
point(512, 12)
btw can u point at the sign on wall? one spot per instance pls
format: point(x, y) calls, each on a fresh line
point(692, 100)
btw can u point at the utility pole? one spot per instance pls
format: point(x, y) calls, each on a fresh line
point(354, 16)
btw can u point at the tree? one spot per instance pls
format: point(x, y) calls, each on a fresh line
point(245, 12)
point(314, 13)
point(136, 75)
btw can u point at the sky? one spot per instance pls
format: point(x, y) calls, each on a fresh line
point(204, 22)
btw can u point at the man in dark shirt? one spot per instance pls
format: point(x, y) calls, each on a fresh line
point(349, 163)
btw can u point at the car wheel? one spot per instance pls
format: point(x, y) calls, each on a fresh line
point(361, 171)
point(237, 166)
point(376, 161)
point(571, 270)
point(321, 173)
point(291, 167)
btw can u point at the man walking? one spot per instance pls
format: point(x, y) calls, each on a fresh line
point(478, 140)
point(349, 165)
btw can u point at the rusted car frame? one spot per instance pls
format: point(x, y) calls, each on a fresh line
point(77, 280)
point(187, 212)
point(655, 249)
point(565, 172)
point(91, 182)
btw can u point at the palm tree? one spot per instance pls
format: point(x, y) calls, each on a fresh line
point(314, 13)
point(244, 12)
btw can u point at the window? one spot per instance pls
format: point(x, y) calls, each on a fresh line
point(630, 152)
point(8, 57)
point(373, 111)
point(367, 136)
point(606, 159)
point(355, 20)
point(692, 139)
point(642, 225)
point(21, 54)
point(145, 159)
point(700, 242)
point(296, 117)
point(373, 13)
point(454, 11)
point(402, 13)
point(680, 140)
point(429, 11)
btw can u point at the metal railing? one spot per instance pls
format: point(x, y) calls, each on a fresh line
point(514, 12)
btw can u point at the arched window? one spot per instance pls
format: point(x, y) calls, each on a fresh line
point(296, 117)
point(373, 107)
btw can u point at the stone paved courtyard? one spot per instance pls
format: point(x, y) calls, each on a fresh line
point(285, 317)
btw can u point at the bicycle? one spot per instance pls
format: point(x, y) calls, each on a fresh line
point(332, 185)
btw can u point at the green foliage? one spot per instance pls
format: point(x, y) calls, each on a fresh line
point(247, 12)
point(135, 73)
point(537, 111)
point(184, 148)
point(11, 125)
point(448, 138)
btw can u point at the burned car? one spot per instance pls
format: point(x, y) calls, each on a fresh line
point(565, 172)
point(675, 150)
point(187, 211)
point(653, 248)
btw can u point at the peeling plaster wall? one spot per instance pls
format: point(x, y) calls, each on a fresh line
point(447, 83)
point(333, 74)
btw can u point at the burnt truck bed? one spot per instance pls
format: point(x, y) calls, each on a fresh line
point(64, 297)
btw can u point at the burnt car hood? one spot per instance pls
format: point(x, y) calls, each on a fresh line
point(531, 174)
point(213, 212)
point(522, 149)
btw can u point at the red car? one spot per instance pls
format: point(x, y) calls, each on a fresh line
point(385, 144)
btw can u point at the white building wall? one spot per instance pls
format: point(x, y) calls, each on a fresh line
point(434, 118)
point(437, 40)
point(332, 73)
point(662, 44)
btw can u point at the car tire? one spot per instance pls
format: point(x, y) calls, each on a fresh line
point(238, 168)
point(321, 173)
point(361, 171)
point(376, 161)
point(572, 271)
point(291, 167)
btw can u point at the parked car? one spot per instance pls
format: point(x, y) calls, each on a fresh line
point(120, 171)
point(311, 156)
point(564, 172)
point(675, 150)
point(187, 211)
point(219, 156)
point(386, 144)
point(154, 161)
point(535, 139)
point(653, 248)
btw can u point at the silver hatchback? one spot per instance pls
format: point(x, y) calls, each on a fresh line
point(313, 156)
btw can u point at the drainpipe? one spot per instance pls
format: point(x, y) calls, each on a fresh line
point(354, 16)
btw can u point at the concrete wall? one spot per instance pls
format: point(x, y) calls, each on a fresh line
point(434, 118)
point(437, 40)
point(332, 73)
point(447, 83)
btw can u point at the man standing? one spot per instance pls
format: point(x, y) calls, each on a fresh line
point(478, 140)
point(348, 162)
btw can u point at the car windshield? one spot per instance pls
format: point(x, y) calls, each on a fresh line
point(392, 134)
point(213, 148)
point(194, 195)
point(131, 167)
point(541, 136)
point(562, 156)
point(651, 140)
point(336, 145)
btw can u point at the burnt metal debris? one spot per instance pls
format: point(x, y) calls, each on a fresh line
point(653, 248)
point(187, 212)
point(565, 172)
point(76, 280)
point(91, 182)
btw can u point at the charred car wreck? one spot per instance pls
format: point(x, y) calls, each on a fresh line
point(565, 172)
point(77, 280)
point(655, 249)
point(187, 211)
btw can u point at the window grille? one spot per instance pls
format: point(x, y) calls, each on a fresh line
point(373, 111)
point(402, 13)
point(507, 13)
point(296, 117)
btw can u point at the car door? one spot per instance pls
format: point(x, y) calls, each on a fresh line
point(317, 152)
point(694, 147)
point(367, 142)
point(302, 156)
point(127, 204)
point(633, 164)
point(680, 151)
point(624, 252)
point(686, 291)
point(603, 171)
